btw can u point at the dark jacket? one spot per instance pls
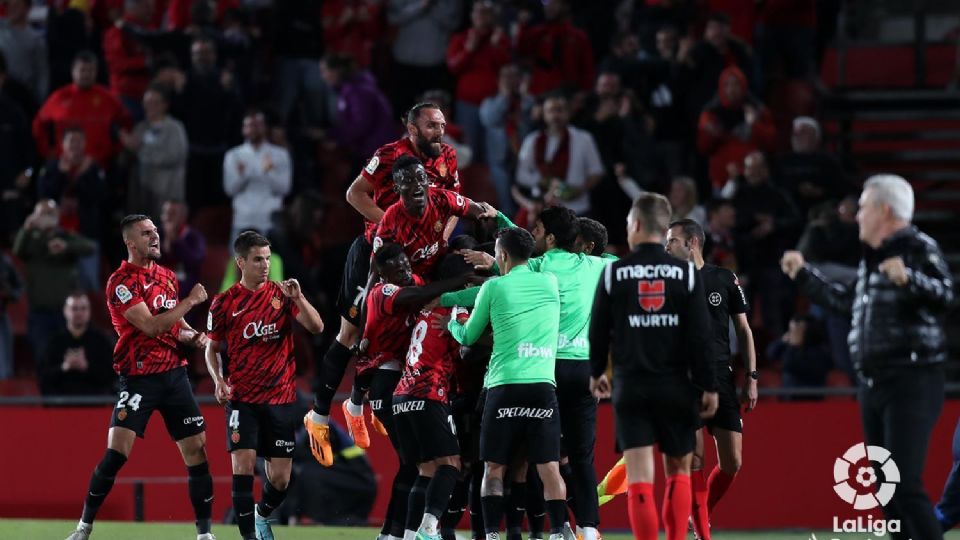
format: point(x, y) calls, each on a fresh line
point(892, 326)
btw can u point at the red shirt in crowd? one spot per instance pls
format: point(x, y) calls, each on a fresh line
point(387, 329)
point(95, 110)
point(422, 238)
point(126, 62)
point(137, 353)
point(431, 357)
point(560, 54)
point(442, 170)
point(255, 329)
point(477, 71)
point(351, 27)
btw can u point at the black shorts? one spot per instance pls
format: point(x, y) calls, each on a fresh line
point(380, 397)
point(578, 409)
point(665, 412)
point(268, 429)
point(467, 411)
point(168, 392)
point(728, 413)
point(424, 428)
point(356, 271)
point(517, 416)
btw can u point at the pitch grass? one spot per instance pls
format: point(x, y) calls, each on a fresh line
point(15, 529)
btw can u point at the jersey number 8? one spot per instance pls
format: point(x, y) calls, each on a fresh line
point(416, 343)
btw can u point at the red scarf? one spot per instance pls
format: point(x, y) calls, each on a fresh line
point(557, 166)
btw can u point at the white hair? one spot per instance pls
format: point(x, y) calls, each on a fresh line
point(893, 191)
point(808, 121)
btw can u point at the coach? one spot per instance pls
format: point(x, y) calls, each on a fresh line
point(897, 341)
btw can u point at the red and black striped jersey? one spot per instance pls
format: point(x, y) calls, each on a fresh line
point(422, 238)
point(136, 353)
point(256, 328)
point(387, 330)
point(431, 357)
point(442, 171)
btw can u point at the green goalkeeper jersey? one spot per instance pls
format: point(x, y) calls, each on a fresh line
point(523, 310)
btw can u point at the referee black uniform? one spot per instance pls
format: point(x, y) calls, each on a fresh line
point(725, 298)
point(651, 307)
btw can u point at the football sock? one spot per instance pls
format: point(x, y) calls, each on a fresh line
point(701, 517)
point(477, 527)
point(270, 499)
point(516, 507)
point(717, 487)
point(440, 490)
point(200, 485)
point(415, 502)
point(455, 509)
point(243, 504)
point(492, 513)
point(536, 509)
point(676, 507)
point(331, 373)
point(642, 509)
point(557, 508)
point(402, 484)
point(101, 482)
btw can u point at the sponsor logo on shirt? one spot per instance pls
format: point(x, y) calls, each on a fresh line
point(123, 294)
point(376, 404)
point(649, 271)
point(651, 294)
point(160, 302)
point(524, 412)
point(714, 298)
point(425, 252)
point(409, 406)
point(198, 420)
point(529, 350)
point(258, 329)
point(372, 165)
point(577, 342)
point(653, 321)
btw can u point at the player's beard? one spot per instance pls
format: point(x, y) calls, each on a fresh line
point(426, 147)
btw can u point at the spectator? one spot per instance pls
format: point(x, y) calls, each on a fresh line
point(11, 287)
point(51, 255)
point(559, 53)
point(209, 105)
point(160, 144)
point(610, 116)
point(68, 30)
point(558, 164)
point(16, 156)
point(809, 174)
point(181, 14)
point(351, 28)
point(786, 37)
point(183, 248)
point(684, 200)
point(731, 126)
point(77, 184)
point(86, 105)
point(805, 361)
point(79, 359)
point(506, 117)
point(257, 176)
point(664, 92)
point(298, 47)
point(25, 49)
point(624, 60)
point(364, 120)
point(419, 48)
point(767, 224)
point(126, 58)
point(16, 91)
point(709, 58)
point(719, 248)
point(475, 57)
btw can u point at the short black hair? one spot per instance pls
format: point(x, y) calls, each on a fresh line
point(562, 223)
point(464, 241)
point(517, 242)
point(414, 112)
point(385, 253)
point(130, 221)
point(592, 230)
point(404, 162)
point(453, 265)
point(85, 56)
point(247, 241)
point(691, 229)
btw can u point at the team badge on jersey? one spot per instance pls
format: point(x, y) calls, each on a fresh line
point(651, 294)
point(389, 289)
point(122, 415)
point(235, 437)
point(275, 302)
point(437, 227)
point(714, 299)
point(123, 294)
point(372, 165)
point(442, 168)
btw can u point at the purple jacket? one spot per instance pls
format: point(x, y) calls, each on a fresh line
point(365, 119)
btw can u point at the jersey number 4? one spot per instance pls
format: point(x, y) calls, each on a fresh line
point(234, 422)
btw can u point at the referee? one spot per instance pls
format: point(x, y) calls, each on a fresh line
point(652, 309)
point(897, 340)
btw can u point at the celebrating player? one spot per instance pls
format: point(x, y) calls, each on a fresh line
point(523, 310)
point(253, 323)
point(371, 194)
point(653, 308)
point(421, 410)
point(726, 302)
point(142, 300)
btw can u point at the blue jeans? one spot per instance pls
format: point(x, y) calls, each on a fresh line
point(88, 271)
point(468, 117)
point(6, 348)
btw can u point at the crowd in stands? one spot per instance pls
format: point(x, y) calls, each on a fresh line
point(180, 108)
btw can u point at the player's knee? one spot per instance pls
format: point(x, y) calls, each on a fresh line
point(194, 449)
point(677, 465)
point(731, 465)
point(452, 461)
point(280, 481)
point(696, 463)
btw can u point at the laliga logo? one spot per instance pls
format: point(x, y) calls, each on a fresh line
point(865, 494)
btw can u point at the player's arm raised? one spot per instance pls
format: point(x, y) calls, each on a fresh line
point(410, 298)
point(154, 325)
point(307, 315)
point(360, 197)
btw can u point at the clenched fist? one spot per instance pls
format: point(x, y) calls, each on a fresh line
point(198, 295)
